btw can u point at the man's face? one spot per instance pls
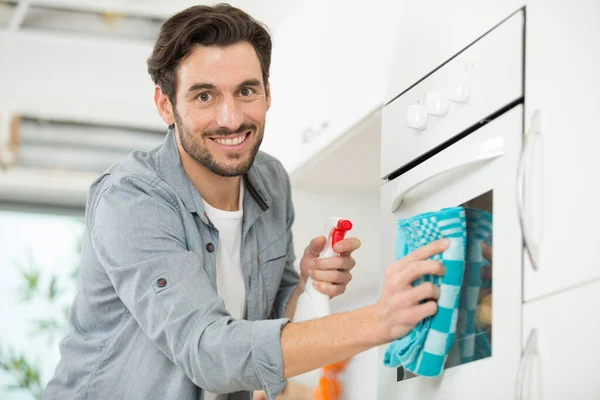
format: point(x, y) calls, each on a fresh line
point(221, 107)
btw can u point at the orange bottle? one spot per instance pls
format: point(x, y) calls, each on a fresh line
point(330, 387)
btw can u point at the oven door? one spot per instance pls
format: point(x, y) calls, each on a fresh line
point(479, 171)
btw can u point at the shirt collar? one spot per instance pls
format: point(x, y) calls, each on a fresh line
point(170, 169)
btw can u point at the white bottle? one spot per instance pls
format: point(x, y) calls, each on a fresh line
point(312, 303)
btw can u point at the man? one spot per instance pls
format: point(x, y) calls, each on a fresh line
point(187, 282)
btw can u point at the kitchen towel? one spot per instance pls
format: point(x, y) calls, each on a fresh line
point(423, 350)
point(473, 341)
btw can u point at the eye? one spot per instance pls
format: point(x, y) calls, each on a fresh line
point(245, 92)
point(204, 97)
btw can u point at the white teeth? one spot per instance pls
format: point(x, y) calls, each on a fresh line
point(231, 142)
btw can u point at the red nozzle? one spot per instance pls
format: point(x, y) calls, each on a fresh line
point(344, 225)
point(340, 230)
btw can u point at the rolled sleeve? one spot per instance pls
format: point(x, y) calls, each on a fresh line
point(268, 358)
point(139, 238)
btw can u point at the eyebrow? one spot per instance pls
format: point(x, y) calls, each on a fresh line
point(202, 86)
point(249, 82)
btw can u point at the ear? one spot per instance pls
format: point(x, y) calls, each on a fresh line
point(268, 94)
point(164, 106)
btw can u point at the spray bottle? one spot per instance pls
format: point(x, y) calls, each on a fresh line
point(314, 304)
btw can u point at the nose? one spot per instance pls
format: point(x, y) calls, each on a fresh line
point(229, 114)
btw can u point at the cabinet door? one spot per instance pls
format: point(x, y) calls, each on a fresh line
point(562, 82)
point(354, 56)
point(560, 361)
point(326, 76)
point(298, 88)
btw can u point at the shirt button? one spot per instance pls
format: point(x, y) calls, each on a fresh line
point(210, 247)
point(161, 282)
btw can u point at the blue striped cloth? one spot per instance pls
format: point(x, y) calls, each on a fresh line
point(474, 343)
point(424, 350)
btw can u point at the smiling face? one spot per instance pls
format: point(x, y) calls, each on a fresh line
point(221, 104)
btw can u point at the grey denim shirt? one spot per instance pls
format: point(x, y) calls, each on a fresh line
point(147, 322)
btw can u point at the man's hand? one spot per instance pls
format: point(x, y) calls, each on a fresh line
point(330, 275)
point(312, 344)
point(399, 308)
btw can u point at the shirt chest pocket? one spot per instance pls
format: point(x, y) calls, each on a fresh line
point(272, 261)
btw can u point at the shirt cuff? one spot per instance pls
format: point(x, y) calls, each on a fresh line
point(267, 355)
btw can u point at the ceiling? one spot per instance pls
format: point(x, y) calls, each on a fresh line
point(271, 12)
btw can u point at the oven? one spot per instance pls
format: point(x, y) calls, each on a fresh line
point(454, 139)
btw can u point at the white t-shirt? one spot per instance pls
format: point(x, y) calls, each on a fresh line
point(230, 279)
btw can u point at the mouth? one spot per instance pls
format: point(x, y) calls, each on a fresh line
point(232, 142)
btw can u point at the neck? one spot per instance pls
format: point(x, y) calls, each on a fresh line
point(218, 191)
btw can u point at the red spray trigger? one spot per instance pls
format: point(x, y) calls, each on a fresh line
point(340, 230)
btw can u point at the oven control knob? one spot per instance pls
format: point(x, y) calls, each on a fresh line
point(459, 88)
point(437, 103)
point(416, 117)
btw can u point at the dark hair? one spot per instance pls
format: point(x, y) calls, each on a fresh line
point(220, 25)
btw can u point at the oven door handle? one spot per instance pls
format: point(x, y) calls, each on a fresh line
point(528, 353)
point(528, 164)
point(491, 149)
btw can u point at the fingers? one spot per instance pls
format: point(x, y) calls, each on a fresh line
point(343, 263)
point(337, 277)
point(401, 306)
point(427, 251)
point(347, 246)
point(417, 269)
point(424, 291)
point(424, 310)
point(331, 275)
point(419, 312)
point(329, 289)
point(315, 247)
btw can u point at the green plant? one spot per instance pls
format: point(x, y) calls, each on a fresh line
point(30, 273)
point(25, 373)
point(42, 287)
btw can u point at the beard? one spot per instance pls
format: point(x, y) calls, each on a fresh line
point(240, 163)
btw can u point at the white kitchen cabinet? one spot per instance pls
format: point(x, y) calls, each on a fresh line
point(326, 77)
point(296, 84)
point(560, 361)
point(562, 82)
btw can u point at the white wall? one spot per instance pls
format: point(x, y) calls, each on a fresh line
point(312, 209)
